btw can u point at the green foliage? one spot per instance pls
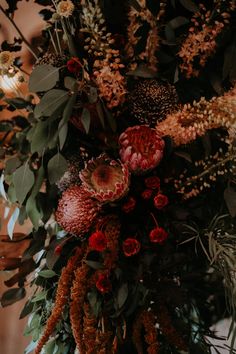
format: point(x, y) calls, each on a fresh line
point(43, 78)
point(57, 166)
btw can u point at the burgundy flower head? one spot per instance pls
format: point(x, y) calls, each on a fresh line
point(103, 283)
point(152, 182)
point(74, 65)
point(160, 201)
point(141, 148)
point(131, 246)
point(158, 235)
point(129, 205)
point(147, 194)
point(98, 241)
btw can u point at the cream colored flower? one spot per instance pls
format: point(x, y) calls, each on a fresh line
point(6, 59)
point(65, 8)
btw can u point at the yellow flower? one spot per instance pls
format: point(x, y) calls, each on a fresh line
point(65, 8)
point(6, 59)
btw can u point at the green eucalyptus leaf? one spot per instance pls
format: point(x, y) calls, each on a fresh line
point(43, 78)
point(39, 137)
point(122, 294)
point(86, 119)
point(100, 113)
point(40, 296)
point(70, 83)
point(57, 166)
point(23, 180)
point(93, 95)
point(63, 126)
point(32, 211)
point(50, 103)
point(47, 273)
point(11, 165)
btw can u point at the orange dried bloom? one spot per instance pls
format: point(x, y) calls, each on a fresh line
point(195, 120)
point(63, 291)
point(89, 330)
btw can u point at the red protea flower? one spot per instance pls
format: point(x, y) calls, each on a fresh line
point(160, 201)
point(105, 179)
point(152, 182)
point(98, 241)
point(76, 211)
point(131, 246)
point(129, 205)
point(103, 283)
point(141, 148)
point(158, 235)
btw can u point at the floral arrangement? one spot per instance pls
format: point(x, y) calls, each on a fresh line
point(122, 156)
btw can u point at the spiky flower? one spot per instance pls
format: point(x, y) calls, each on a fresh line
point(105, 179)
point(6, 59)
point(141, 148)
point(71, 176)
point(151, 100)
point(65, 8)
point(76, 211)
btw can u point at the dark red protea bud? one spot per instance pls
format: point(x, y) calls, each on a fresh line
point(152, 182)
point(129, 205)
point(131, 246)
point(98, 241)
point(158, 235)
point(74, 65)
point(103, 283)
point(160, 201)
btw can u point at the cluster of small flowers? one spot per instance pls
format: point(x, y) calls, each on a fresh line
point(107, 66)
point(64, 8)
point(201, 41)
point(219, 164)
point(194, 120)
point(136, 19)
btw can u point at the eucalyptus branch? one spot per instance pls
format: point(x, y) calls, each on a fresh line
point(19, 32)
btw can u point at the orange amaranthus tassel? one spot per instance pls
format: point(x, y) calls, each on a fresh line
point(63, 291)
point(147, 320)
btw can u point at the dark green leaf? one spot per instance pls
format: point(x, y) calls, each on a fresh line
point(43, 78)
point(23, 180)
point(189, 5)
point(11, 165)
point(39, 137)
point(38, 182)
point(94, 265)
point(32, 211)
point(11, 296)
point(122, 295)
point(110, 118)
point(17, 102)
point(28, 308)
point(57, 166)
point(63, 126)
point(93, 95)
point(100, 113)
point(50, 347)
point(70, 83)
point(40, 296)
point(50, 103)
point(86, 119)
point(178, 22)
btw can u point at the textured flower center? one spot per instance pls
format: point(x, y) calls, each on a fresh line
point(142, 142)
point(105, 177)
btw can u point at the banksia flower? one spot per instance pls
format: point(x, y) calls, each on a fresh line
point(151, 100)
point(141, 148)
point(105, 179)
point(76, 211)
point(63, 291)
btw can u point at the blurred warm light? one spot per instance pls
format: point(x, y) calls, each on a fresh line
point(10, 84)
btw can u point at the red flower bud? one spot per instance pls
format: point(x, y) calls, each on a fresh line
point(129, 205)
point(160, 201)
point(147, 193)
point(74, 66)
point(103, 283)
point(58, 250)
point(152, 182)
point(98, 241)
point(131, 246)
point(158, 235)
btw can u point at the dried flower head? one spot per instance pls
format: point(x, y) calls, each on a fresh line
point(103, 283)
point(131, 247)
point(65, 8)
point(6, 59)
point(151, 100)
point(98, 241)
point(76, 211)
point(141, 148)
point(105, 179)
point(158, 235)
point(160, 201)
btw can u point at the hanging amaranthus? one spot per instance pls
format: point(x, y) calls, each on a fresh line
point(146, 320)
point(62, 294)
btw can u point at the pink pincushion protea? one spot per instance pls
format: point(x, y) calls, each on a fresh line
point(141, 148)
point(76, 211)
point(105, 179)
